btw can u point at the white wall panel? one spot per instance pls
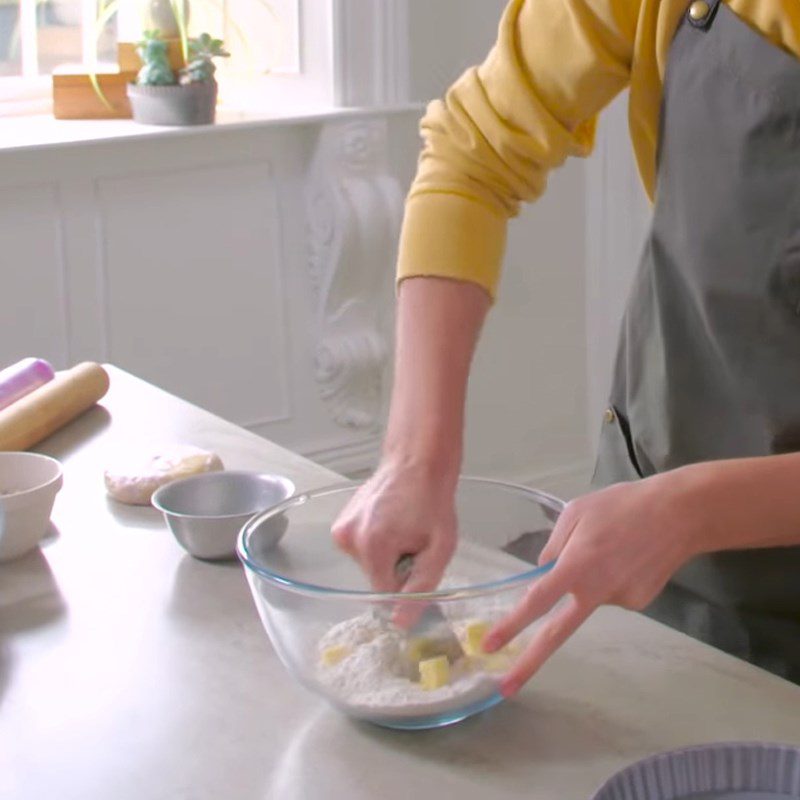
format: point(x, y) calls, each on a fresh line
point(447, 36)
point(188, 263)
point(618, 216)
point(527, 399)
point(33, 315)
point(192, 286)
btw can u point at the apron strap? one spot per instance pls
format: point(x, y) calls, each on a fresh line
point(701, 13)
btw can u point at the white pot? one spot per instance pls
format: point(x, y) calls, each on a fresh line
point(29, 483)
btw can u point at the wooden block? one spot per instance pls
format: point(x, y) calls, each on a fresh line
point(128, 59)
point(74, 96)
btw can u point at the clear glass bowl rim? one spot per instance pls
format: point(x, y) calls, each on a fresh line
point(458, 593)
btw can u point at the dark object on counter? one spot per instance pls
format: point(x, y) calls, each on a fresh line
point(528, 546)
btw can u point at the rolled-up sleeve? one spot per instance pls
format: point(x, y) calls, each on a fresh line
point(491, 142)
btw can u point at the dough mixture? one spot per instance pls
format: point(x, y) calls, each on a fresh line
point(363, 661)
point(135, 479)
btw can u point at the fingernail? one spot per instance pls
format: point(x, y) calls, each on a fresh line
point(403, 617)
point(491, 642)
point(400, 618)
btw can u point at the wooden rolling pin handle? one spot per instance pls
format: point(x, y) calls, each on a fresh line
point(50, 407)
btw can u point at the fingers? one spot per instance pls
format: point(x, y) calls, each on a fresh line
point(381, 575)
point(547, 639)
point(383, 521)
point(375, 554)
point(565, 525)
point(538, 600)
point(429, 566)
point(379, 554)
point(343, 535)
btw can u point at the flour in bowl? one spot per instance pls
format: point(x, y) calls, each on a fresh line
point(367, 670)
point(362, 662)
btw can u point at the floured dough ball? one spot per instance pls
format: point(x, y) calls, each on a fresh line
point(134, 482)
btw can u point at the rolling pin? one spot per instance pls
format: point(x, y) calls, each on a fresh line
point(51, 406)
point(22, 378)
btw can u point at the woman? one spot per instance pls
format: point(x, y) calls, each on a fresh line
point(699, 520)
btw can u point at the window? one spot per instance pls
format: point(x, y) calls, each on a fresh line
point(38, 37)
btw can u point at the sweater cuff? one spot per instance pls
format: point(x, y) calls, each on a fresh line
point(449, 235)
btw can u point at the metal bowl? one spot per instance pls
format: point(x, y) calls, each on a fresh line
point(206, 512)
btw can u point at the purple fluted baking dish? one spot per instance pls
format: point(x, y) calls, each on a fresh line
point(726, 771)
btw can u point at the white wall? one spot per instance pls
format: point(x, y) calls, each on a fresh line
point(212, 265)
point(618, 216)
point(527, 402)
point(447, 36)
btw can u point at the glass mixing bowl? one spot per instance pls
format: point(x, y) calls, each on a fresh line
point(335, 635)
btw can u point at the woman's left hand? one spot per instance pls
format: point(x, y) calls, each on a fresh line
point(617, 546)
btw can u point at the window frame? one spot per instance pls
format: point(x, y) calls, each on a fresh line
point(352, 54)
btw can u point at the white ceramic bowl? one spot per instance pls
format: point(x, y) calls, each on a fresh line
point(29, 483)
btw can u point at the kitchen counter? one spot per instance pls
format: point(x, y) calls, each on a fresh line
point(130, 671)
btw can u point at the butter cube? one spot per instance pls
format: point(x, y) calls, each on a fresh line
point(434, 672)
point(418, 649)
point(332, 655)
point(474, 635)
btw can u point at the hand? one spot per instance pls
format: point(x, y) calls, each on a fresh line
point(617, 546)
point(400, 510)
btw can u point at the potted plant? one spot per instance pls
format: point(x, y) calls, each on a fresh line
point(160, 97)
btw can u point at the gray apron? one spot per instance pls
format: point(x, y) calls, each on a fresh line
point(708, 365)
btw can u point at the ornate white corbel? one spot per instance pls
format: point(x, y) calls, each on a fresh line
point(354, 208)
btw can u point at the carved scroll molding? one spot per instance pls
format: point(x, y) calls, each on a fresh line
point(354, 207)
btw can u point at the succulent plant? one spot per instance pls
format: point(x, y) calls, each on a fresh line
point(156, 71)
point(200, 67)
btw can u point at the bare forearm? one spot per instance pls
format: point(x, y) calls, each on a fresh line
point(744, 503)
point(437, 329)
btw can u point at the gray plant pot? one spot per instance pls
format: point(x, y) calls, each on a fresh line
point(192, 104)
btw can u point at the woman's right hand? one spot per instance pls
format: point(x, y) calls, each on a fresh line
point(401, 510)
point(408, 506)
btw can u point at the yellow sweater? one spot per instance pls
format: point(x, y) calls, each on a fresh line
point(534, 101)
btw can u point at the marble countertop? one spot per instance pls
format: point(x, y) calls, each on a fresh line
point(129, 670)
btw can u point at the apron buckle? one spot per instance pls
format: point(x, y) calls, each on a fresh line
point(701, 13)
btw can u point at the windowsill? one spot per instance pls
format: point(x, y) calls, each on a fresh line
point(44, 131)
